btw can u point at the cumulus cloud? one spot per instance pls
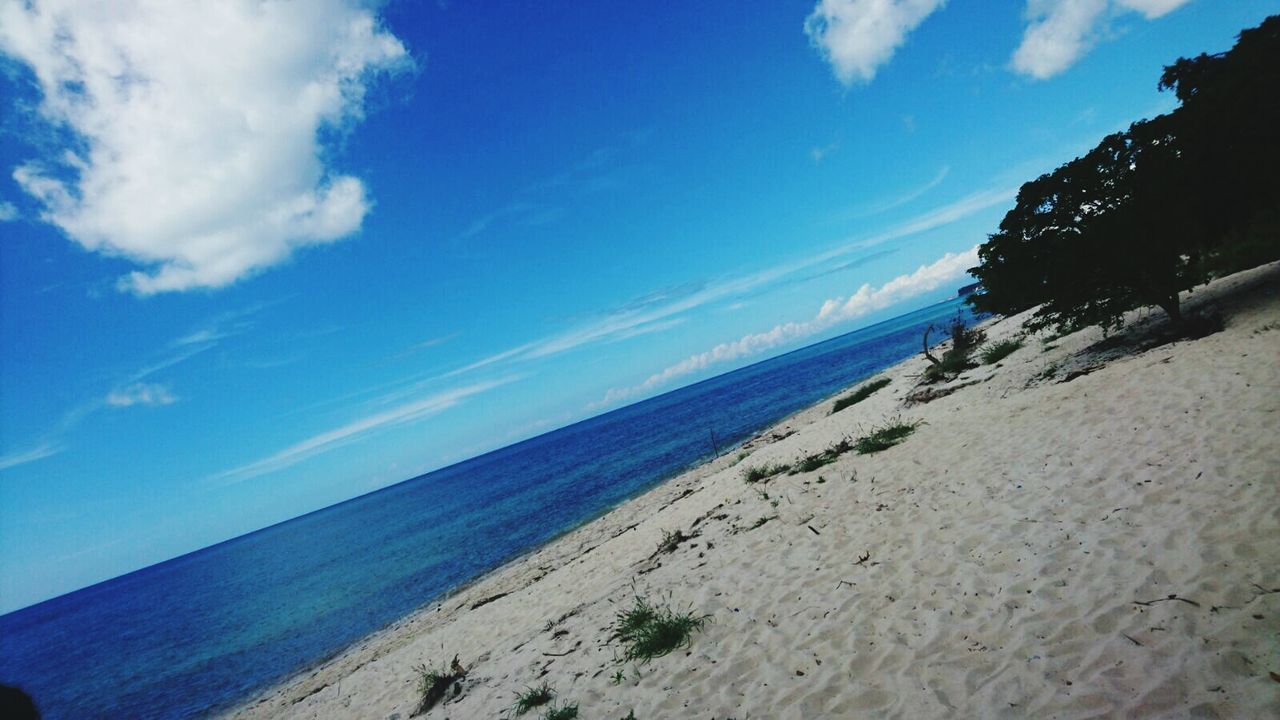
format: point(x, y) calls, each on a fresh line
point(1060, 32)
point(141, 394)
point(197, 127)
point(858, 36)
point(832, 312)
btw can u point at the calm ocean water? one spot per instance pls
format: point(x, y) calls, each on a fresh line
point(197, 633)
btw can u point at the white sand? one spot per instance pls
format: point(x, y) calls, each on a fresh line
point(1009, 539)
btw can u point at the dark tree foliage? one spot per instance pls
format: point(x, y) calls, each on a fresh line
point(1155, 209)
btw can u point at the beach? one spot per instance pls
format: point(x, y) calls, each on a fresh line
point(1087, 528)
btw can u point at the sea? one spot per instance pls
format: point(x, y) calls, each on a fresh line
point(197, 634)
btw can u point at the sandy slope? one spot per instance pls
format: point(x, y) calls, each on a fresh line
point(1011, 541)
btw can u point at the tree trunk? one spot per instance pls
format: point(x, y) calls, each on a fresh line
point(1174, 310)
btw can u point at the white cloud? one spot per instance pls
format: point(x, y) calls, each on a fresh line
point(198, 127)
point(141, 394)
point(330, 439)
point(8, 211)
point(858, 36)
point(1153, 8)
point(651, 316)
point(1060, 32)
point(834, 311)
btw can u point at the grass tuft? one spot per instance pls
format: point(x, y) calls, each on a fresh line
point(433, 684)
point(532, 697)
point(650, 631)
point(812, 462)
point(996, 352)
point(762, 472)
point(833, 452)
point(885, 437)
point(671, 540)
point(951, 365)
point(859, 395)
point(561, 712)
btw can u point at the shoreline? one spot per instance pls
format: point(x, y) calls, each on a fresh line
point(752, 659)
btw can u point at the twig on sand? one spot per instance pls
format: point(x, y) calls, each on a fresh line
point(1130, 639)
point(1149, 603)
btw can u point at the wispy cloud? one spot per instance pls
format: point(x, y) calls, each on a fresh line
point(820, 153)
point(336, 437)
point(663, 306)
point(8, 211)
point(527, 214)
point(530, 207)
point(833, 312)
point(1060, 32)
point(131, 390)
point(199, 128)
point(906, 198)
point(424, 345)
point(859, 36)
point(147, 394)
point(22, 457)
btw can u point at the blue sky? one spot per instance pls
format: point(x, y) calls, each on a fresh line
point(256, 259)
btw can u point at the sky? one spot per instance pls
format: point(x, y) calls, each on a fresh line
point(257, 258)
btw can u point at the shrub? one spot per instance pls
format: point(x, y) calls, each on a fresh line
point(857, 396)
point(996, 352)
point(885, 437)
point(953, 363)
point(964, 339)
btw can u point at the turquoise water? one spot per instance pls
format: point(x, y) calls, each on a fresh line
point(200, 632)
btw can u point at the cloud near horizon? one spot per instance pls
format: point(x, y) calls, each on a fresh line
point(1060, 32)
point(859, 36)
point(194, 129)
point(832, 312)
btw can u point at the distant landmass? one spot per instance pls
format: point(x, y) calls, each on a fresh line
point(967, 290)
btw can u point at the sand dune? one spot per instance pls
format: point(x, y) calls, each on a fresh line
point(1101, 547)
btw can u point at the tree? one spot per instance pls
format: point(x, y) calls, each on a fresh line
point(1230, 120)
point(1151, 211)
point(1095, 238)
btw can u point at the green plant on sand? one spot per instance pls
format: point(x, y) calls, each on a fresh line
point(885, 436)
point(857, 396)
point(671, 539)
point(996, 352)
point(762, 472)
point(532, 697)
point(433, 684)
point(561, 712)
point(651, 631)
point(809, 463)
